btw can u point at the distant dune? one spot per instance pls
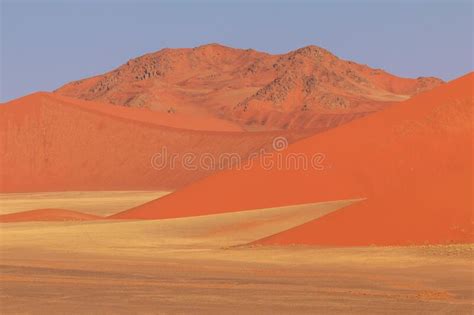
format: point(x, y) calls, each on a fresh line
point(306, 88)
point(203, 232)
point(100, 203)
point(412, 161)
point(173, 120)
point(53, 143)
point(47, 215)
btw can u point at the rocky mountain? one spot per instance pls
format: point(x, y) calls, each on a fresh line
point(306, 88)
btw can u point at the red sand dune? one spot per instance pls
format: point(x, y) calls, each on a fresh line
point(259, 91)
point(174, 120)
point(47, 215)
point(53, 143)
point(412, 161)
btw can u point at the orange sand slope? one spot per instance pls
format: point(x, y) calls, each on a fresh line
point(306, 88)
point(174, 120)
point(412, 161)
point(53, 143)
point(47, 215)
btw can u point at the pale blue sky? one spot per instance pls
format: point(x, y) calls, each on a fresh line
point(48, 43)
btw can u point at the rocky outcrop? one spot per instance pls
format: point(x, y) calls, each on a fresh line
point(243, 86)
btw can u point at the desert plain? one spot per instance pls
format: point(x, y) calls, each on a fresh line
point(192, 265)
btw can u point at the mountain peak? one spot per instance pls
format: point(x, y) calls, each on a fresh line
point(312, 50)
point(212, 46)
point(258, 90)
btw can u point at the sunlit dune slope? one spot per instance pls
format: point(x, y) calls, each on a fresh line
point(409, 214)
point(212, 231)
point(100, 202)
point(47, 215)
point(53, 143)
point(412, 161)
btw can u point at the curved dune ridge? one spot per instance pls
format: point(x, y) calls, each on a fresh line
point(212, 231)
point(48, 215)
point(412, 161)
point(171, 119)
point(55, 143)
